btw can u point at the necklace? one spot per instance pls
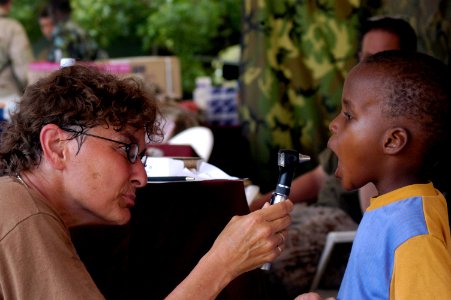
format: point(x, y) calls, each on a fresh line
point(21, 180)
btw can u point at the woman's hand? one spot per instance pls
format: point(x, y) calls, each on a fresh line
point(246, 243)
point(249, 241)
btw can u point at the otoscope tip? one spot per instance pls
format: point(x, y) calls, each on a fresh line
point(303, 158)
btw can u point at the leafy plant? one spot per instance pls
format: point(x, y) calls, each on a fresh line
point(195, 31)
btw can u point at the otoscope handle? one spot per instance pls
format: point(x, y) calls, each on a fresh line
point(287, 161)
point(275, 198)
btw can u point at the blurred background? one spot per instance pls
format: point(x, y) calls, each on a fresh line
point(195, 31)
point(287, 58)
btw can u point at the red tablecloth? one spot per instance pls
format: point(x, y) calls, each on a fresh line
point(174, 150)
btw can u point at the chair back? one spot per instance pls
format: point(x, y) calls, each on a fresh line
point(199, 137)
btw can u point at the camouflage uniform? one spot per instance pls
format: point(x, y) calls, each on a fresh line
point(295, 57)
point(69, 40)
point(430, 19)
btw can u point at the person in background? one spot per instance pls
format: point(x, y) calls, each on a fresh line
point(332, 207)
point(46, 22)
point(67, 38)
point(393, 129)
point(74, 154)
point(15, 55)
point(41, 48)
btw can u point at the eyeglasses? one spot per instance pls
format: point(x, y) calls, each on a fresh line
point(132, 149)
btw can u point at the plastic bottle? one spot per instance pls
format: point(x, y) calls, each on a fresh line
point(201, 93)
point(67, 62)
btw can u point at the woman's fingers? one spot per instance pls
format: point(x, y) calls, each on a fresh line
point(249, 241)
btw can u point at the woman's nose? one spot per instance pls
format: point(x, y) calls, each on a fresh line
point(139, 177)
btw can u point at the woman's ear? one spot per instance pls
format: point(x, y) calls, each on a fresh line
point(54, 145)
point(395, 139)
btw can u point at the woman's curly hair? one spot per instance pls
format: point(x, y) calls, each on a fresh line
point(75, 96)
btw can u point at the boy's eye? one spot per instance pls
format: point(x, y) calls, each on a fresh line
point(347, 115)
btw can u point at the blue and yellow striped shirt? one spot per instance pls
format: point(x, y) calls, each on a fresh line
point(402, 249)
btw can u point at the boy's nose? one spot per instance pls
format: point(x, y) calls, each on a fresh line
point(333, 125)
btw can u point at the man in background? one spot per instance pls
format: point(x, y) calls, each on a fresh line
point(42, 47)
point(15, 55)
point(67, 38)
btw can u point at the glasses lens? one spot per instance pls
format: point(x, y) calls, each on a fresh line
point(133, 153)
point(144, 160)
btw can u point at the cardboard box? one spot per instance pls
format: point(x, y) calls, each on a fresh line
point(162, 71)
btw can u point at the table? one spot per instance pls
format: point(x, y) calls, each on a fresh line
point(173, 225)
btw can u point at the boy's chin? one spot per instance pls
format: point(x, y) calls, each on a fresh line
point(338, 172)
point(349, 186)
point(346, 185)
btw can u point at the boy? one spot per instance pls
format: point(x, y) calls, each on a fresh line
point(333, 208)
point(394, 120)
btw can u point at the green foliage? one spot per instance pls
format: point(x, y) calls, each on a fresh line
point(26, 11)
point(194, 30)
point(110, 20)
point(184, 28)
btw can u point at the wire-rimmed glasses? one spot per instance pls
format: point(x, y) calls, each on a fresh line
point(131, 149)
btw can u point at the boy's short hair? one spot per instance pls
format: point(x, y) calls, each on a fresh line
point(417, 86)
point(75, 96)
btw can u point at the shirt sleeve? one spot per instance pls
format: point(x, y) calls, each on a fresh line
point(39, 261)
point(422, 270)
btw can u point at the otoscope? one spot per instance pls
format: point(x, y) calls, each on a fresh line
point(287, 160)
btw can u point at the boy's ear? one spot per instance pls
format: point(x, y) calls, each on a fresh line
point(395, 139)
point(54, 144)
